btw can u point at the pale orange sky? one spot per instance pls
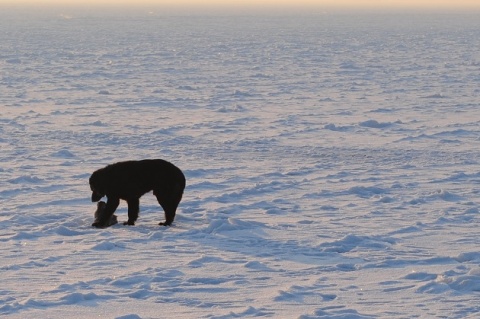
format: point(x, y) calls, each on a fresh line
point(356, 3)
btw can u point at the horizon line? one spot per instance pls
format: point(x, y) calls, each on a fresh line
point(245, 4)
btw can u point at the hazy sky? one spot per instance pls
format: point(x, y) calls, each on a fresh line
point(369, 3)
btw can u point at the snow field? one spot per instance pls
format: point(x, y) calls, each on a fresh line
point(331, 162)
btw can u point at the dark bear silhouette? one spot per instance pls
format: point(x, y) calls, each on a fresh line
point(130, 180)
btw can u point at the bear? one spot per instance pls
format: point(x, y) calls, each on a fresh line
point(130, 180)
point(101, 211)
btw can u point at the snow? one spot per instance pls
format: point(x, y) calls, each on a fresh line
point(332, 164)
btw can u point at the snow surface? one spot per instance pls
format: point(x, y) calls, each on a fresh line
point(332, 163)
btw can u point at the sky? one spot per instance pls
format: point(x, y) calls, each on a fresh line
point(356, 3)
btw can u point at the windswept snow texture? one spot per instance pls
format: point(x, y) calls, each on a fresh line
point(332, 163)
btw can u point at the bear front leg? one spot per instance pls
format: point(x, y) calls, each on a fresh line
point(133, 209)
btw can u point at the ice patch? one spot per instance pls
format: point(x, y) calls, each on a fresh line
point(446, 196)
point(350, 65)
point(106, 245)
point(300, 294)
point(376, 124)
point(232, 224)
point(64, 153)
point(99, 124)
point(351, 242)
point(466, 283)
point(242, 93)
point(329, 208)
point(337, 313)
point(257, 266)
point(468, 257)
point(26, 180)
point(421, 276)
point(472, 210)
point(435, 96)
point(75, 298)
point(235, 108)
point(333, 127)
point(187, 88)
point(132, 316)
point(14, 61)
point(205, 260)
point(249, 312)
point(366, 191)
point(65, 231)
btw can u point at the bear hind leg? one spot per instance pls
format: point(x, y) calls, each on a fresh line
point(169, 202)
